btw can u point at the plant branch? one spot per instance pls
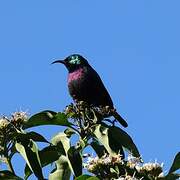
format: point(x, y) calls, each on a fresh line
point(9, 164)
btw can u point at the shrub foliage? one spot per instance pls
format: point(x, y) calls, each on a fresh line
point(117, 156)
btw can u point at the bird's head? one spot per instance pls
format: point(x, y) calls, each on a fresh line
point(73, 62)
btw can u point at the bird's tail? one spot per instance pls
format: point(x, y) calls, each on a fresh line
point(119, 119)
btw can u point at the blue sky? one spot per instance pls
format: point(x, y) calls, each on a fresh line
point(134, 46)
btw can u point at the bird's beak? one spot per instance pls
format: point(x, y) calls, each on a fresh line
point(59, 61)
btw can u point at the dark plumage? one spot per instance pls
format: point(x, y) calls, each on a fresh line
point(85, 84)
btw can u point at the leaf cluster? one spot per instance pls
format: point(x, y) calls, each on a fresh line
point(110, 143)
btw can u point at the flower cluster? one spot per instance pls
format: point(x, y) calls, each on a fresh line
point(106, 160)
point(4, 122)
point(9, 125)
point(18, 118)
point(106, 167)
point(128, 178)
point(153, 169)
point(88, 114)
point(130, 169)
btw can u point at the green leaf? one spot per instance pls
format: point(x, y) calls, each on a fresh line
point(83, 177)
point(19, 136)
point(120, 137)
point(29, 150)
point(75, 160)
point(7, 175)
point(69, 132)
point(12, 151)
point(62, 171)
point(36, 137)
point(115, 144)
point(86, 177)
point(62, 142)
point(101, 133)
point(81, 144)
point(171, 177)
point(62, 119)
point(98, 148)
point(47, 156)
point(47, 118)
point(176, 164)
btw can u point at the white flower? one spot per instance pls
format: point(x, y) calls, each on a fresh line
point(20, 116)
point(4, 123)
point(106, 160)
point(150, 166)
point(133, 159)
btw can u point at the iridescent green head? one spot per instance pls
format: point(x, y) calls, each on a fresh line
point(73, 62)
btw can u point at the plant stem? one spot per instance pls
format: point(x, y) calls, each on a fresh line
point(9, 164)
point(8, 159)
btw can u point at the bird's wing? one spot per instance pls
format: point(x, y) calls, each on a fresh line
point(98, 89)
point(103, 97)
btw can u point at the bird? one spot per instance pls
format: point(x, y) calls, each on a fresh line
point(85, 84)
